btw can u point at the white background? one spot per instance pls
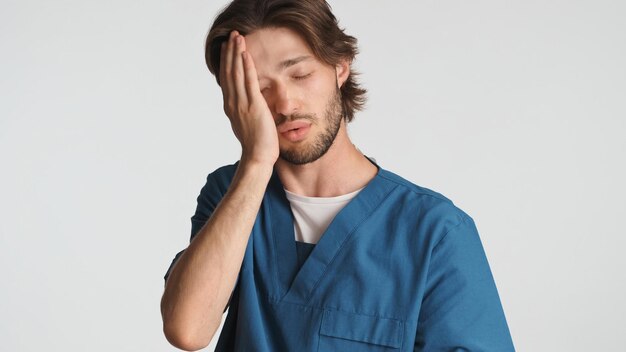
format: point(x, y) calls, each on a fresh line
point(110, 122)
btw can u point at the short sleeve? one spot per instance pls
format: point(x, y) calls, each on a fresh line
point(461, 308)
point(211, 194)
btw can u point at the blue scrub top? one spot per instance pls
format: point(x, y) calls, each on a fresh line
point(400, 268)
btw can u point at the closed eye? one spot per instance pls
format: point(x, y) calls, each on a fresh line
point(302, 76)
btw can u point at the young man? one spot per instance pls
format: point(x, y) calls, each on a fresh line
point(313, 245)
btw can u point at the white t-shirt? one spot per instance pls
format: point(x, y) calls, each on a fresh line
point(312, 215)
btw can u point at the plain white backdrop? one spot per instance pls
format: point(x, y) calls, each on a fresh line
point(110, 122)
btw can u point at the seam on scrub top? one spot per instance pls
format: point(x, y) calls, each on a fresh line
point(411, 186)
point(276, 274)
point(463, 222)
point(333, 308)
point(440, 197)
point(346, 240)
point(463, 214)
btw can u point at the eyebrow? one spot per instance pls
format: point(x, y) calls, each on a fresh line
point(290, 62)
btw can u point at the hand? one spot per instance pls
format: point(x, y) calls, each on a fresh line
point(249, 115)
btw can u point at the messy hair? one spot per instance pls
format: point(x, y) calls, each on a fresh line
point(312, 19)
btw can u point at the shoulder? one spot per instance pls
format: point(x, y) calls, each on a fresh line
point(221, 177)
point(217, 183)
point(411, 187)
point(426, 207)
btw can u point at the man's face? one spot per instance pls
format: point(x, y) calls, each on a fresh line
point(301, 92)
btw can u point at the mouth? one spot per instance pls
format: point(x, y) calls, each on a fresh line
point(295, 133)
point(293, 126)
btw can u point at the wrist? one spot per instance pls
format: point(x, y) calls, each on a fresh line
point(255, 166)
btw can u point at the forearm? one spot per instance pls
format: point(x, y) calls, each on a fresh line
point(202, 280)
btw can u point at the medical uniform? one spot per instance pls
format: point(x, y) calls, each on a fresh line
point(399, 268)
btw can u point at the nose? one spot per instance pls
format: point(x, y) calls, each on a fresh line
point(284, 102)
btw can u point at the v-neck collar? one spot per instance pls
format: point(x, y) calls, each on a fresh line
point(297, 284)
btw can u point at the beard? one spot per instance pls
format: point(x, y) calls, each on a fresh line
point(309, 153)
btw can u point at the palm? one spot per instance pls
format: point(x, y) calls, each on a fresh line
point(249, 114)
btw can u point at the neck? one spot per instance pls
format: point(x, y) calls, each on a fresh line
point(343, 169)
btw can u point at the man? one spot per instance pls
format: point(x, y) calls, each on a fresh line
point(312, 245)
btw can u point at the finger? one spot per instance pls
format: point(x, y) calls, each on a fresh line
point(252, 79)
point(238, 74)
point(222, 62)
point(229, 89)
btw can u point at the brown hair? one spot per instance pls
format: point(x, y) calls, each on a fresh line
point(312, 19)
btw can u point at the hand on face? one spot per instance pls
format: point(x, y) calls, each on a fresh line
point(249, 115)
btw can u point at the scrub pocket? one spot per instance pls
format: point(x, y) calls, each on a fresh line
point(342, 331)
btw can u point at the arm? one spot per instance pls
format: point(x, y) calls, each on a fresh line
point(461, 309)
point(200, 283)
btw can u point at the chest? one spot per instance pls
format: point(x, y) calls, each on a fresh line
point(369, 260)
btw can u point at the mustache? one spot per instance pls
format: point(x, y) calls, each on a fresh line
point(296, 116)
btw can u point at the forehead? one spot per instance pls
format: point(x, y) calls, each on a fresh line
point(271, 46)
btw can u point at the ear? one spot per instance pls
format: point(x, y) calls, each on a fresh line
point(343, 72)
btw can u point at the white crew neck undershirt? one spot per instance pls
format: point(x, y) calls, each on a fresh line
point(312, 215)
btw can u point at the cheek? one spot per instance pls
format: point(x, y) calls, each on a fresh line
point(320, 88)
